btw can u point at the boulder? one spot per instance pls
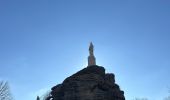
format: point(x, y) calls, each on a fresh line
point(90, 83)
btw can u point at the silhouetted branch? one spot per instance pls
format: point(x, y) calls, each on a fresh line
point(4, 91)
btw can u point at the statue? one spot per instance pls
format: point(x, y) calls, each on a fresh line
point(91, 49)
point(91, 58)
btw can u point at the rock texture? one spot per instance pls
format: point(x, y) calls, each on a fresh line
point(90, 83)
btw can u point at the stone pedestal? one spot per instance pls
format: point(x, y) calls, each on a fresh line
point(91, 60)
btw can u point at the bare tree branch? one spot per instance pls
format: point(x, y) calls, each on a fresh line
point(4, 91)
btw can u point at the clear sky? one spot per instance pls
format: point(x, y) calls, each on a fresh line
point(44, 41)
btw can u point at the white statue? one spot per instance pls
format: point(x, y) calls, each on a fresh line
point(91, 58)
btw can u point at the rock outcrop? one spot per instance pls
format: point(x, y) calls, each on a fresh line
point(90, 83)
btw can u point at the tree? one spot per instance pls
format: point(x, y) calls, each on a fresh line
point(38, 98)
point(140, 99)
point(167, 98)
point(5, 91)
point(46, 96)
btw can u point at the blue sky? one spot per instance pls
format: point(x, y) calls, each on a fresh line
point(44, 41)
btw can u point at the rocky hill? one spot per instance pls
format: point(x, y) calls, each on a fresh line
point(90, 83)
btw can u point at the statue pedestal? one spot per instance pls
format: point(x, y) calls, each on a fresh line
point(91, 60)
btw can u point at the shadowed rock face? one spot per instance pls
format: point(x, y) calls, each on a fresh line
point(90, 83)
